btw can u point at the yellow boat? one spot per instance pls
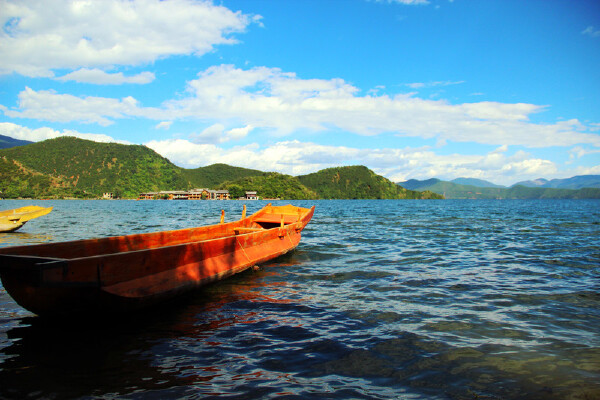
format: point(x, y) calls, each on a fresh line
point(11, 220)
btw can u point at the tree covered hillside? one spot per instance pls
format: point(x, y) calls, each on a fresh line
point(358, 182)
point(16, 180)
point(94, 168)
point(271, 185)
point(212, 176)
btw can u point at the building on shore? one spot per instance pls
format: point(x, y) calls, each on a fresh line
point(251, 196)
point(219, 195)
point(194, 194)
point(164, 195)
point(176, 195)
point(148, 196)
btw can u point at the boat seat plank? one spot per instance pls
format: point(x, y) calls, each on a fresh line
point(276, 218)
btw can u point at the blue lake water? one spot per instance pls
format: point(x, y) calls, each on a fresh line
point(382, 299)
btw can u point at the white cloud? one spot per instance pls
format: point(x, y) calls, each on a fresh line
point(35, 135)
point(48, 105)
point(290, 157)
point(39, 37)
point(269, 98)
point(185, 153)
point(495, 166)
point(210, 135)
point(501, 149)
point(591, 31)
point(99, 77)
point(530, 168)
point(216, 133)
point(281, 102)
point(239, 133)
point(579, 151)
point(421, 85)
point(164, 125)
point(594, 170)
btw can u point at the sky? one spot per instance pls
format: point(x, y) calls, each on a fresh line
point(501, 90)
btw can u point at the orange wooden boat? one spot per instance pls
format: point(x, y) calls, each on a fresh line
point(123, 273)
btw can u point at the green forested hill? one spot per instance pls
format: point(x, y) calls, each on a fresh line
point(214, 175)
point(271, 185)
point(83, 166)
point(358, 182)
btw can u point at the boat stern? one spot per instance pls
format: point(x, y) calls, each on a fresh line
point(43, 285)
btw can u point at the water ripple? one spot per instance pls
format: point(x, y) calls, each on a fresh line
point(382, 299)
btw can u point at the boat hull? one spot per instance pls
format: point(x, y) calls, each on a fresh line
point(124, 273)
point(11, 220)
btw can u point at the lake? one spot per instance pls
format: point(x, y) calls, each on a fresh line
point(382, 299)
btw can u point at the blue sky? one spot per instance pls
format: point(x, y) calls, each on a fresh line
point(500, 90)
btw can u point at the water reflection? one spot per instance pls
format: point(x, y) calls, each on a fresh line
point(22, 238)
point(57, 361)
point(57, 358)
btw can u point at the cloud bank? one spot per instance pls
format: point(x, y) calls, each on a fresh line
point(283, 103)
point(99, 77)
point(39, 37)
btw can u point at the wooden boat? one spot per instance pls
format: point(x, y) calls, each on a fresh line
point(11, 220)
point(122, 273)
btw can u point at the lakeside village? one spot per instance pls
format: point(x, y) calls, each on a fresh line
point(194, 194)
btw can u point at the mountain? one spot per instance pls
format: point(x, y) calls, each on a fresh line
point(414, 184)
point(452, 190)
point(534, 183)
point(7, 142)
point(576, 182)
point(357, 182)
point(213, 175)
point(270, 185)
point(69, 167)
point(75, 167)
point(475, 182)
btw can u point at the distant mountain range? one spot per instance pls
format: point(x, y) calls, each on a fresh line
point(475, 182)
point(583, 186)
point(576, 182)
point(8, 142)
